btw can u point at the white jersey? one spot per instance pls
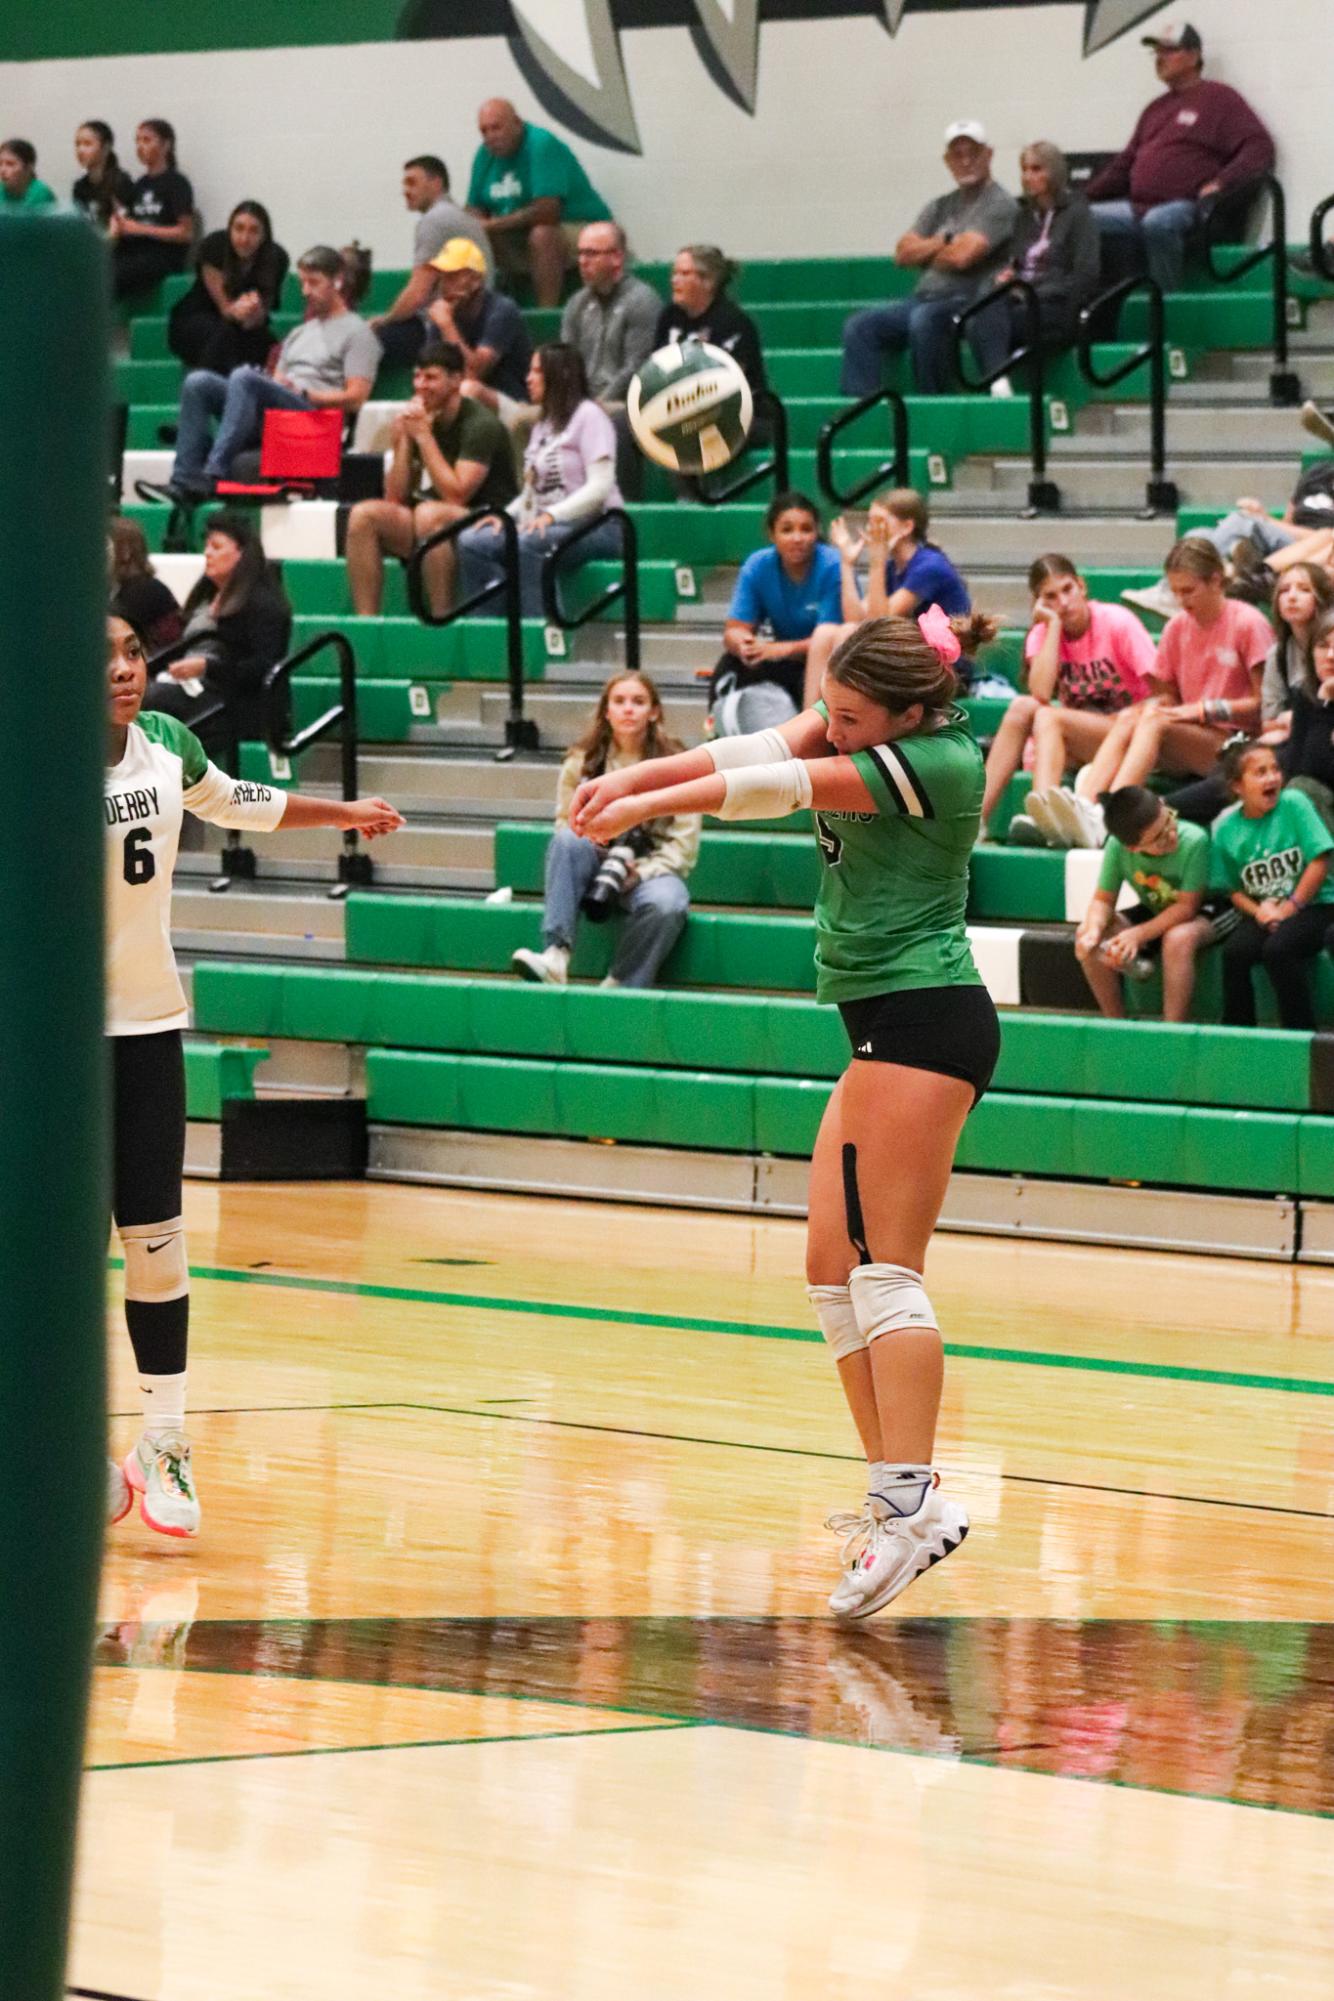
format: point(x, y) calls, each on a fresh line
point(163, 772)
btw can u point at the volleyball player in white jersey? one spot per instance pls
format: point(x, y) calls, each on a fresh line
point(156, 770)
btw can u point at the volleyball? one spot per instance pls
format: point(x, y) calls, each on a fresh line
point(690, 407)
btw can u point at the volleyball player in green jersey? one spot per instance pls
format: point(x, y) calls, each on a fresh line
point(156, 770)
point(889, 767)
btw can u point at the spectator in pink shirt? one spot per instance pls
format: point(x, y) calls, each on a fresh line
point(1086, 663)
point(1195, 142)
point(569, 479)
point(1206, 681)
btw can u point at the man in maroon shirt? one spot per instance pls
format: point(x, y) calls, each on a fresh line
point(1196, 141)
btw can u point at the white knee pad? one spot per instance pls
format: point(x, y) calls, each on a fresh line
point(889, 1299)
point(155, 1266)
point(838, 1319)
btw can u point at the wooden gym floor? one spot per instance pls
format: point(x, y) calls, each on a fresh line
point(501, 1670)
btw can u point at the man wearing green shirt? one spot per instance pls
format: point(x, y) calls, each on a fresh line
point(532, 196)
point(19, 185)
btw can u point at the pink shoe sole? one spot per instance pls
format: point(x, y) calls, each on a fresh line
point(134, 1475)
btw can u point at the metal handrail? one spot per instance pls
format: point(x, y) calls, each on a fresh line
point(177, 535)
point(1160, 493)
point(627, 587)
point(893, 471)
point(769, 404)
point(1284, 387)
point(120, 431)
point(1044, 496)
point(236, 861)
point(1322, 252)
point(354, 866)
point(520, 730)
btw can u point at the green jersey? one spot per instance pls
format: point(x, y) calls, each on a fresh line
point(542, 166)
point(1158, 880)
point(164, 771)
point(893, 893)
point(1265, 857)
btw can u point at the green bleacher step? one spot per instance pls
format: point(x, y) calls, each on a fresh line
point(400, 648)
point(214, 1074)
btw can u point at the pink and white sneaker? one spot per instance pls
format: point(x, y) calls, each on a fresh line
point(893, 1549)
point(158, 1469)
point(119, 1497)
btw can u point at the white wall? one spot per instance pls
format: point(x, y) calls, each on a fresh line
point(843, 147)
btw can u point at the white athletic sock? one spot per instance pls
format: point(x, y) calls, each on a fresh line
point(902, 1488)
point(164, 1404)
point(875, 1474)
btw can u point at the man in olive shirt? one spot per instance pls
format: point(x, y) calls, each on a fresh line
point(450, 455)
point(959, 242)
point(532, 195)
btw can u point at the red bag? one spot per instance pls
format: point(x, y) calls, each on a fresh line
point(301, 444)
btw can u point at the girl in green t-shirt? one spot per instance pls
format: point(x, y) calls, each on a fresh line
point(1271, 853)
point(890, 769)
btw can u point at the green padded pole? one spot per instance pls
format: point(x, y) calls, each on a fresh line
point(53, 1180)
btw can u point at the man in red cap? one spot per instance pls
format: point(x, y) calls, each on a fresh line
point(1193, 143)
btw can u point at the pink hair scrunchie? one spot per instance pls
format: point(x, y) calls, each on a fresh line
point(937, 631)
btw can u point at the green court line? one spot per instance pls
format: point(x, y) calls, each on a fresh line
point(408, 1744)
point(1030, 1358)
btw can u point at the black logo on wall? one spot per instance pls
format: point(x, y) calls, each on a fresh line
point(598, 108)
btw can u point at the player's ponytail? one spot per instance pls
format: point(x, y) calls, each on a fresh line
point(893, 663)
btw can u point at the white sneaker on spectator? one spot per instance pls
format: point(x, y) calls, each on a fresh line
point(550, 968)
point(610, 981)
point(1314, 420)
point(1157, 599)
point(1002, 386)
point(1040, 812)
point(1091, 821)
point(1079, 820)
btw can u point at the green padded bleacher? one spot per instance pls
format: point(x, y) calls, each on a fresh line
point(398, 648)
point(213, 1074)
point(320, 587)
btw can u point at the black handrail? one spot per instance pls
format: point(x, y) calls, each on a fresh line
point(120, 431)
point(1322, 252)
point(1160, 493)
point(520, 730)
point(354, 866)
point(1044, 496)
point(893, 471)
point(627, 588)
point(774, 467)
point(1284, 387)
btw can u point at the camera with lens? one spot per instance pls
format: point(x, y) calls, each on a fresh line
point(607, 885)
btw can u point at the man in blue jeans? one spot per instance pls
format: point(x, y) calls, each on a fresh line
point(329, 362)
point(1197, 141)
point(958, 243)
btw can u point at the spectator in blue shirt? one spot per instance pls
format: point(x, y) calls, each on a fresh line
point(905, 575)
point(782, 594)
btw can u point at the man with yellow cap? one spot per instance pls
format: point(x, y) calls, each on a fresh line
point(487, 327)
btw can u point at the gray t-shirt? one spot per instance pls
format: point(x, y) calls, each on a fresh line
point(989, 212)
point(322, 354)
point(441, 221)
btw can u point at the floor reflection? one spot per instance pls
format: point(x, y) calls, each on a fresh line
point(1235, 1711)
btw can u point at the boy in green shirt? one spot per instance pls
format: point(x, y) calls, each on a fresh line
point(1271, 853)
point(533, 197)
point(1167, 864)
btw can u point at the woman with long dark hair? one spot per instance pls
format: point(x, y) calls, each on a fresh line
point(238, 625)
point(889, 767)
point(626, 729)
point(151, 232)
point(223, 321)
point(569, 477)
point(103, 186)
point(156, 771)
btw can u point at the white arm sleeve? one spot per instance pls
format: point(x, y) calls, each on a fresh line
point(590, 498)
point(766, 791)
point(765, 747)
point(234, 802)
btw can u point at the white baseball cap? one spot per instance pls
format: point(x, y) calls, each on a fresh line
point(1174, 35)
point(966, 128)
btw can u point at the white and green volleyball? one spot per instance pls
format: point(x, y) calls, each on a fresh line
point(690, 407)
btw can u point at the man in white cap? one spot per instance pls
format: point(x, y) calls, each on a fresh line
point(1195, 142)
point(958, 243)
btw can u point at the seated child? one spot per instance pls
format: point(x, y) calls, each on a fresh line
point(1271, 853)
